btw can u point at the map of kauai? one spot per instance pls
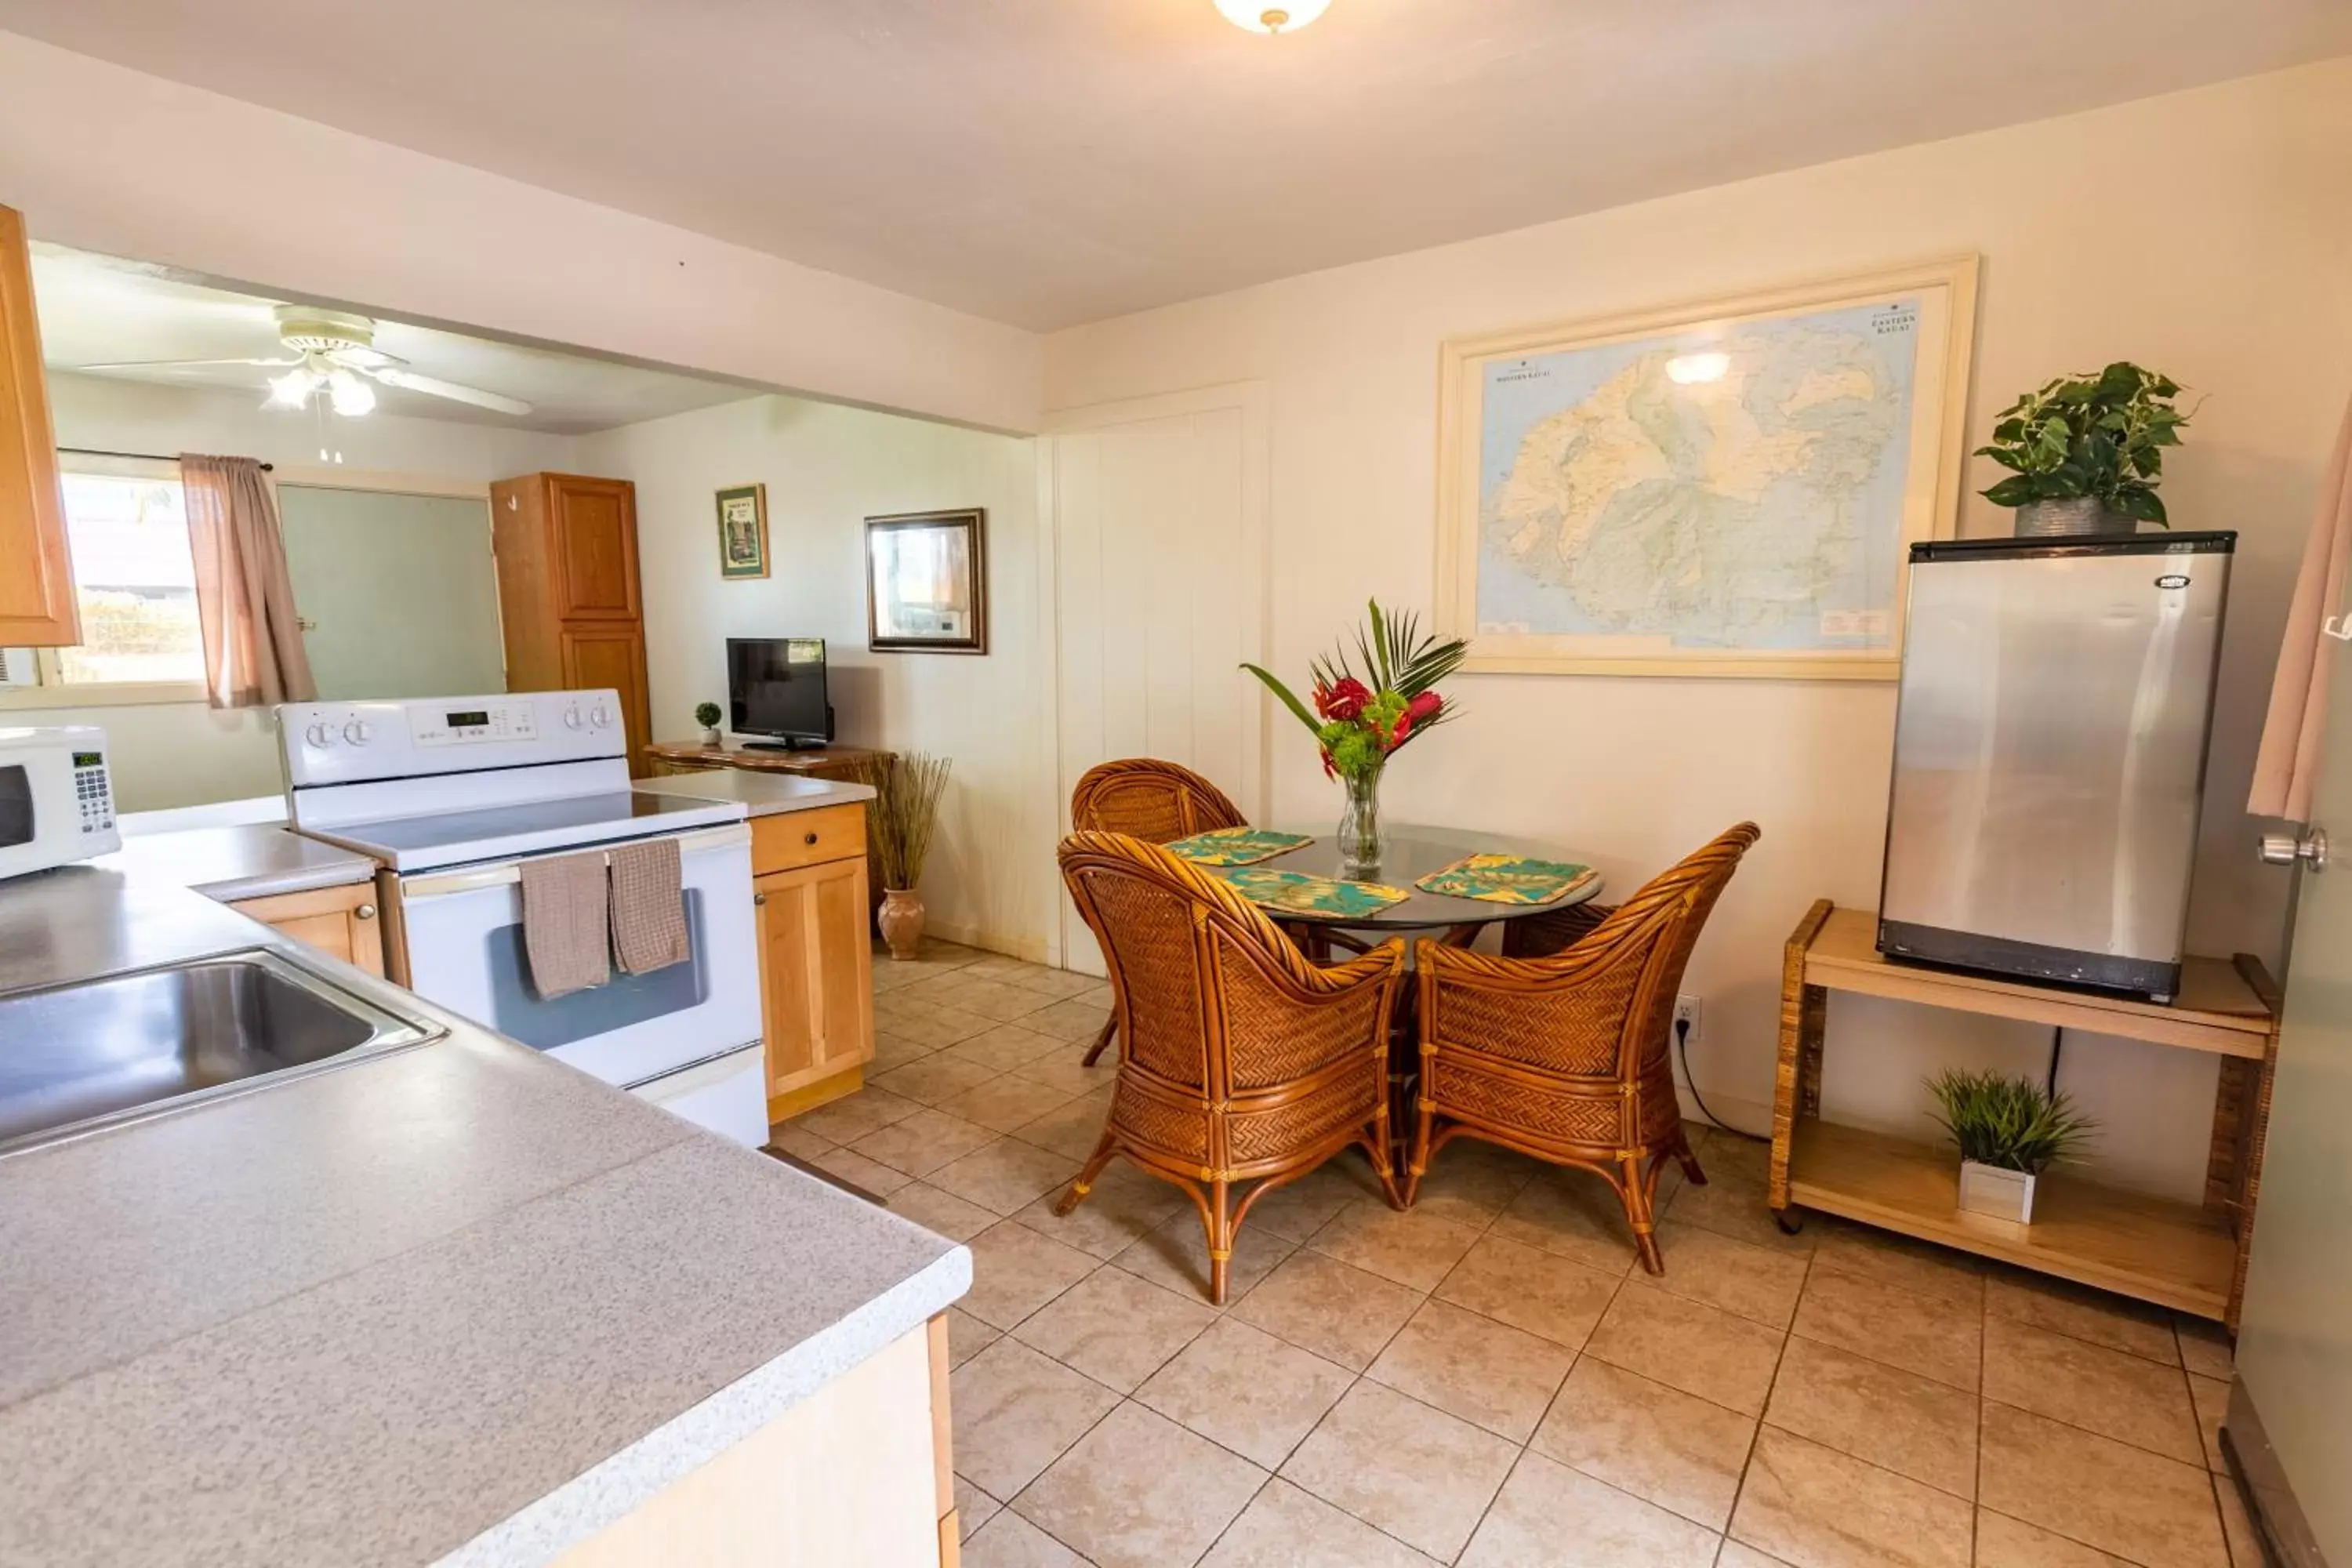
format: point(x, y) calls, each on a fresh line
point(1733, 491)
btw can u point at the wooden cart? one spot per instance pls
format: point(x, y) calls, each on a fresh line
point(2190, 1257)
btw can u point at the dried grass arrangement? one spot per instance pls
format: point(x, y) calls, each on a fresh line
point(904, 811)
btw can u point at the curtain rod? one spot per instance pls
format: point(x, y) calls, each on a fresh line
point(141, 457)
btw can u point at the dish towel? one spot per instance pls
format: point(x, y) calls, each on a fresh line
point(648, 907)
point(2288, 768)
point(563, 923)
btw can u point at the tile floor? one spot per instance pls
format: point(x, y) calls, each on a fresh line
point(1488, 1380)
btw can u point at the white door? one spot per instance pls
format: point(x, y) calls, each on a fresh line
point(1156, 511)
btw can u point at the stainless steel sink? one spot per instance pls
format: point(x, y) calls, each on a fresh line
point(75, 1057)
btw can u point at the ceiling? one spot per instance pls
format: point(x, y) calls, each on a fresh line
point(1052, 162)
point(99, 310)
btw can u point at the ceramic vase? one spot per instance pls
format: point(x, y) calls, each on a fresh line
point(1996, 1192)
point(902, 921)
point(1360, 824)
point(2069, 515)
point(711, 737)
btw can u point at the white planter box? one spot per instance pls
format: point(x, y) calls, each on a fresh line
point(1999, 1194)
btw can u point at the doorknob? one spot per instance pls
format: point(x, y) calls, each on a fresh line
point(2286, 849)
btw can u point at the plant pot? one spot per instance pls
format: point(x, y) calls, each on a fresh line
point(711, 737)
point(902, 921)
point(1997, 1193)
point(2072, 514)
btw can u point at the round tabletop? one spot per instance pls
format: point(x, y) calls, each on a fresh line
point(1408, 853)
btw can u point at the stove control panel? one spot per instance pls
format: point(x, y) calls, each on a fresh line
point(489, 723)
point(351, 742)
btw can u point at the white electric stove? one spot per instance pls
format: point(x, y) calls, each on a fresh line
point(450, 796)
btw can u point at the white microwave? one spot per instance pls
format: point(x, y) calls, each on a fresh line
point(56, 804)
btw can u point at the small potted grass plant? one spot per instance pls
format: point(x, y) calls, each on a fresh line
point(898, 824)
point(2009, 1131)
point(708, 715)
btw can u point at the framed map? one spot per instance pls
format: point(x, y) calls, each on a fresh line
point(1730, 488)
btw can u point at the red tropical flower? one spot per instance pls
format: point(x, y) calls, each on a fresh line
point(1344, 700)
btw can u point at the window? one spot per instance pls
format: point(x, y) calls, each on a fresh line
point(134, 579)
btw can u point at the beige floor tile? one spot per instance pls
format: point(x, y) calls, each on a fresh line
point(1014, 1271)
point(1572, 1214)
point(1015, 1413)
point(1124, 1206)
point(1893, 1259)
point(1815, 1506)
point(2204, 1348)
point(1242, 1388)
point(1058, 985)
point(975, 1507)
point(896, 1051)
point(1529, 1290)
point(2139, 1506)
point(1757, 1282)
point(1009, 1541)
point(2211, 1395)
point(1300, 1208)
point(1418, 1474)
point(941, 1212)
point(794, 1139)
point(1005, 1047)
point(1077, 1019)
point(932, 1080)
point(1140, 1492)
point(927, 1024)
point(1322, 1305)
point(1926, 1334)
point(1702, 1350)
point(1734, 1554)
point(1004, 1103)
point(967, 1337)
point(1007, 1175)
point(2082, 1313)
point(924, 1142)
point(1285, 1528)
point(998, 966)
point(2120, 1396)
point(995, 1000)
point(853, 1116)
point(2006, 1543)
point(1663, 1445)
point(1411, 1247)
point(1471, 1182)
point(1897, 1420)
point(1115, 1328)
point(1733, 1204)
point(1066, 1070)
point(1549, 1514)
point(878, 1180)
point(2238, 1526)
point(1073, 1130)
point(1176, 1255)
point(1487, 1373)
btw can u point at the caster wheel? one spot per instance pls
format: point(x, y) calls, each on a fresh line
point(1789, 1222)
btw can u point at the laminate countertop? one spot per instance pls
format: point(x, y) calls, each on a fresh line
point(762, 794)
point(253, 860)
point(455, 1303)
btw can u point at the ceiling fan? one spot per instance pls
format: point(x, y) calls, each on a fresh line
point(336, 353)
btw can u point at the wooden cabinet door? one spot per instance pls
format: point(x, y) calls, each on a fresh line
point(593, 527)
point(339, 921)
point(816, 972)
point(37, 590)
point(613, 656)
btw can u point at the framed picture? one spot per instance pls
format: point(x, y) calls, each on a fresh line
point(927, 583)
point(743, 531)
point(1730, 488)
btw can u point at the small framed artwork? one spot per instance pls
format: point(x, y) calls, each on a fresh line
point(927, 583)
point(743, 531)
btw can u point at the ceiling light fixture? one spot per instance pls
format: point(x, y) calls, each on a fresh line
point(1272, 16)
point(352, 397)
point(293, 389)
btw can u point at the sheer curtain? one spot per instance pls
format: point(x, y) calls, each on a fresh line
point(245, 600)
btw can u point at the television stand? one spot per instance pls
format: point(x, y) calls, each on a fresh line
point(838, 761)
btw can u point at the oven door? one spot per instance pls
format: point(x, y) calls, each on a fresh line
point(466, 952)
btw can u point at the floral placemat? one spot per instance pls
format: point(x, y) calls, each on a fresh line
point(1507, 879)
point(1236, 846)
point(1318, 898)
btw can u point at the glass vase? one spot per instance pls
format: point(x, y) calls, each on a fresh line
point(1360, 824)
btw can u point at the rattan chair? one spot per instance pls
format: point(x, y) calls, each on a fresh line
point(1241, 1064)
point(1566, 1057)
point(1146, 798)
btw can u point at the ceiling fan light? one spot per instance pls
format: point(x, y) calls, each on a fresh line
point(1272, 16)
point(293, 389)
point(352, 397)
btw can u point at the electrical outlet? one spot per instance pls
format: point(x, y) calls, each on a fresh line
point(1687, 1007)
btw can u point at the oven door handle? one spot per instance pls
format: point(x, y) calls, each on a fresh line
point(508, 872)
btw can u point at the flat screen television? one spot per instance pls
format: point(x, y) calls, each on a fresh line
point(775, 691)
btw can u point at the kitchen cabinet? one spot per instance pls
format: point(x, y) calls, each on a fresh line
point(338, 921)
point(816, 957)
point(37, 590)
point(568, 604)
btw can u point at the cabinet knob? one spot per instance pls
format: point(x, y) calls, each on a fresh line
point(365, 912)
point(759, 899)
point(809, 838)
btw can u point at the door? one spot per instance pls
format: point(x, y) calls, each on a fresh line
point(2295, 1343)
point(816, 972)
point(1156, 511)
point(398, 594)
point(595, 524)
point(338, 921)
point(600, 656)
point(37, 592)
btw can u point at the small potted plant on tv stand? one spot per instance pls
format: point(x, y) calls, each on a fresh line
point(708, 715)
point(898, 824)
point(2009, 1131)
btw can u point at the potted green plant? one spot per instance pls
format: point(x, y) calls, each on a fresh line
point(2009, 1131)
point(708, 715)
point(2087, 452)
point(898, 824)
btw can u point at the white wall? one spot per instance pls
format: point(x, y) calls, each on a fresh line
point(2205, 233)
point(113, 160)
point(827, 468)
point(184, 754)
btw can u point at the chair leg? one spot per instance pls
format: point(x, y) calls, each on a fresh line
point(1220, 1228)
point(1634, 1193)
point(1094, 1051)
point(1084, 1183)
point(1688, 1161)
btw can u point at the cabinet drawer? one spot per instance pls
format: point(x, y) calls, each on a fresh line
point(805, 837)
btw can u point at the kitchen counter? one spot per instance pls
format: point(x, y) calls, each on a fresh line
point(762, 794)
point(455, 1303)
point(252, 861)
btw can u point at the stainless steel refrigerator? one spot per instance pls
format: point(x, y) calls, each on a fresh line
point(2049, 755)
